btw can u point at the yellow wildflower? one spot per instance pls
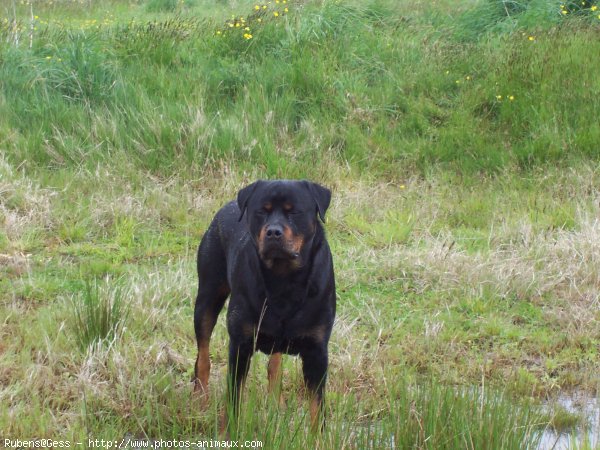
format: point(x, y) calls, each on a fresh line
point(511, 97)
point(594, 8)
point(285, 10)
point(276, 14)
point(531, 38)
point(256, 7)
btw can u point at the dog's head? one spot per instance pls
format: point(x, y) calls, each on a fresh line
point(282, 218)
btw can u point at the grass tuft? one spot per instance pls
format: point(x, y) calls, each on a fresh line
point(99, 316)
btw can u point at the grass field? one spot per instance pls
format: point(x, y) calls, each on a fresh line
point(461, 141)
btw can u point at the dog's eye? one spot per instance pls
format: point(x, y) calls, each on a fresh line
point(267, 208)
point(288, 208)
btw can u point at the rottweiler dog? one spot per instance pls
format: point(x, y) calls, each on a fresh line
point(268, 251)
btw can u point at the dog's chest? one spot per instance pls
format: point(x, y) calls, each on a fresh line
point(282, 308)
point(285, 304)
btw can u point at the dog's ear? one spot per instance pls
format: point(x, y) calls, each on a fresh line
point(322, 197)
point(244, 196)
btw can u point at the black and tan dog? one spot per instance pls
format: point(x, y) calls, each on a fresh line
point(268, 251)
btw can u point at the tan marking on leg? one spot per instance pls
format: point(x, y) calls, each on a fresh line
point(203, 359)
point(315, 413)
point(202, 369)
point(274, 372)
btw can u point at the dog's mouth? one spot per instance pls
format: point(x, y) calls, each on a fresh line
point(279, 258)
point(278, 252)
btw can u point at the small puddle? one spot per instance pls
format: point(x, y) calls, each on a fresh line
point(584, 436)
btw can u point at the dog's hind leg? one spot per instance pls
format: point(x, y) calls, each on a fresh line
point(213, 290)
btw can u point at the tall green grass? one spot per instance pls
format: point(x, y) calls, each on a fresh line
point(327, 84)
point(427, 416)
point(97, 315)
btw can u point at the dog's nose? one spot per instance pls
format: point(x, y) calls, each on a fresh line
point(274, 231)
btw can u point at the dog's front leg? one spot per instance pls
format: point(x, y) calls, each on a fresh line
point(314, 369)
point(240, 354)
